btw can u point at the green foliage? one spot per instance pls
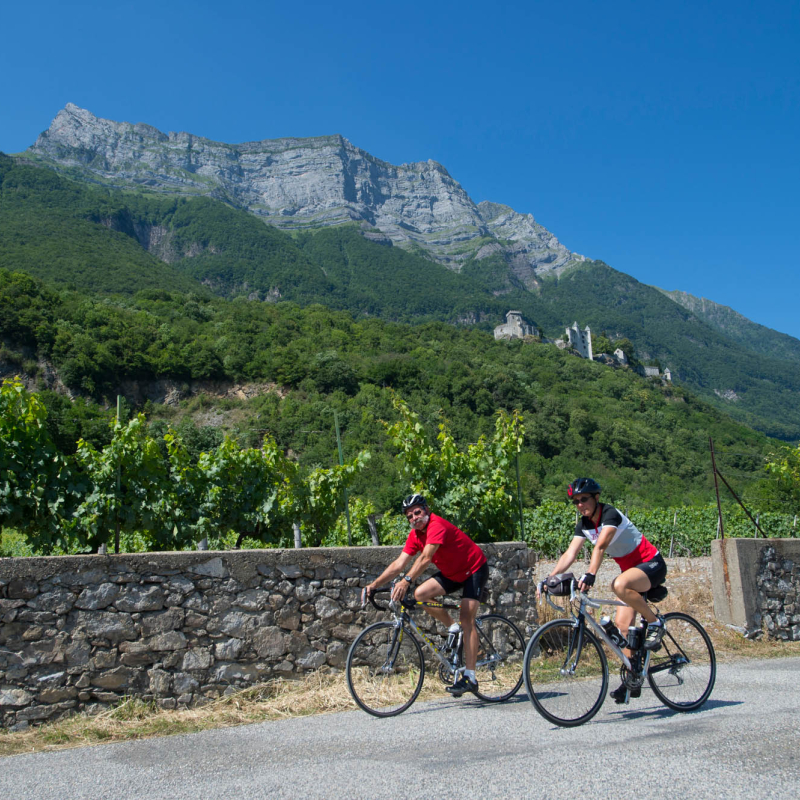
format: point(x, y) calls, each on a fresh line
point(601, 344)
point(67, 232)
point(699, 356)
point(314, 499)
point(128, 482)
point(153, 493)
point(359, 527)
point(472, 487)
point(784, 469)
point(237, 490)
point(646, 441)
point(36, 485)
point(687, 530)
point(15, 545)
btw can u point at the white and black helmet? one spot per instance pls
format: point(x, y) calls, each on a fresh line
point(414, 500)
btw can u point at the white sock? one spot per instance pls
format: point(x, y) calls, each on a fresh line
point(470, 673)
point(656, 624)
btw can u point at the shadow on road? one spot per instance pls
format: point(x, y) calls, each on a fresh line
point(661, 712)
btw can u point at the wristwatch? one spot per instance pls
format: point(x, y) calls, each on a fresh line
point(406, 578)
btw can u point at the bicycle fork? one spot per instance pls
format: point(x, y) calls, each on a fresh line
point(574, 649)
point(392, 649)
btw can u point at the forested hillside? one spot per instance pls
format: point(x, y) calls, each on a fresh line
point(90, 239)
point(646, 442)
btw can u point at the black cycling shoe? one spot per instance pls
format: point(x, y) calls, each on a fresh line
point(463, 684)
point(619, 693)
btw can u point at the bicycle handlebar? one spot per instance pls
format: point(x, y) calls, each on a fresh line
point(407, 602)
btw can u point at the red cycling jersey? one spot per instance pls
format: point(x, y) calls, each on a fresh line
point(458, 556)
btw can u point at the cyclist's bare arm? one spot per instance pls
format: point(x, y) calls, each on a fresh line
point(420, 565)
point(599, 551)
point(392, 571)
point(569, 556)
point(423, 561)
point(566, 560)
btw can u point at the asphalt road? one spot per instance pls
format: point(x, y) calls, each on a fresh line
point(745, 742)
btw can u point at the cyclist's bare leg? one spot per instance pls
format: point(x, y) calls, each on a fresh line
point(624, 618)
point(628, 587)
point(469, 610)
point(429, 590)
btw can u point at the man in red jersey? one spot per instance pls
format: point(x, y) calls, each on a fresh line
point(462, 565)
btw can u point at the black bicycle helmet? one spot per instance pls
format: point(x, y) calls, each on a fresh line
point(414, 500)
point(583, 486)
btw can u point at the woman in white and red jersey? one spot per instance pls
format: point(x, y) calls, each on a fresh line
point(612, 533)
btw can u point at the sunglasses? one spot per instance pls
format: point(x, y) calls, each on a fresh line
point(578, 501)
point(417, 512)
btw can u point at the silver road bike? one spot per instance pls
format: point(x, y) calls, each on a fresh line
point(566, 668)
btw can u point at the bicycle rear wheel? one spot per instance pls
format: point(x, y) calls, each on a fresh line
point(682, 673)
point(385, 669)
point(501, 649)
point(566, 673)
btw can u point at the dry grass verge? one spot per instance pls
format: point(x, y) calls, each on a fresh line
point(690, 591)
point(319, 693)
point(137, 719)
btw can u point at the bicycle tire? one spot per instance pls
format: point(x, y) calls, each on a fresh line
point(385, 669)
point(501, 650)
point(683, 671)
point(565, 696)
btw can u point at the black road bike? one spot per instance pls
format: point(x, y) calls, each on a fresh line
point(386, 666)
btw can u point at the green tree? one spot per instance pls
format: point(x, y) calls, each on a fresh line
point(315, 499)
point(36, 484)
point(239, 489)
point(601, 344)
point(472, 487)
point(784, 470)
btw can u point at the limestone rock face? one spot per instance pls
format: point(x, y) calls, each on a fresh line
point(306, 183)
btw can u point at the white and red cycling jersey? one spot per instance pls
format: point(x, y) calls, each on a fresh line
point(628, 547)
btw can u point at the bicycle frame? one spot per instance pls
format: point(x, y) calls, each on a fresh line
point(582, 614)
point(404, 618)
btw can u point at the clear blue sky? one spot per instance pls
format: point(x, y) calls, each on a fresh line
point(661, 138)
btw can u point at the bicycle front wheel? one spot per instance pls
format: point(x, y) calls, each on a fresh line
point(566, 673)
point(682, 673)
point(385, 669)
point(501, 649)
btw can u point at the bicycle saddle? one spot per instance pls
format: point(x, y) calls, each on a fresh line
point(656, 594)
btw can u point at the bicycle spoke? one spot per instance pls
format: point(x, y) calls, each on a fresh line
point(501, 649)
point(385, 669)
point(683, 672)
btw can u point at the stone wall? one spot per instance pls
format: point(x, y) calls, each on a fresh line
point(778, 583)
point(757, 585)
point(81, 632)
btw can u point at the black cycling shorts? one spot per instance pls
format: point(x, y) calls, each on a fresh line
point(472, 586)
point(655, 569)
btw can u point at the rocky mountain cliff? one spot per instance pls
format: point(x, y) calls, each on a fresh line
point(304, 183)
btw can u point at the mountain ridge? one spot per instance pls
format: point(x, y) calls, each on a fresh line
point(295, 183)
point(756, 337)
